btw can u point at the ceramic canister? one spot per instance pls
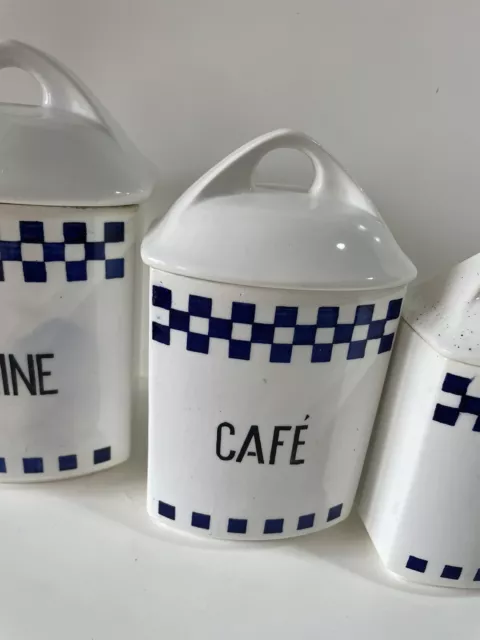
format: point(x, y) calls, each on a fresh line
point(70, 184)
point(273, 315)
point(420, 497)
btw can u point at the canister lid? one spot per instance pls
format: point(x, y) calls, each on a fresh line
point(68, 151)
point(224, 229)
point(445, 311)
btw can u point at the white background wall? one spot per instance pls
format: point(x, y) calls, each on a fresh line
point(390, 87)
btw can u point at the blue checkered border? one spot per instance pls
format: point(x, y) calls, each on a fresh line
point(449, 572)
point(69, 462)
point(74, 233)
point(263, 333)
point(240, 525)
point(458, 386)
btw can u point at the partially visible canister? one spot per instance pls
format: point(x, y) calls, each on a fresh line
point(70, 185)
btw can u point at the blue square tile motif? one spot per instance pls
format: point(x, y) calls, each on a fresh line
point(54, 252)
point(416, 564)
point(200, 520)
point(262, 333)
point(200, 306)
point(343, 333)
point(394, 308)
point(33, 465)
point(281, 353)
point(457, 385)
point(34, 272)
point(470, 404)
point(386, 343)
point(95, 251)
point(166, 510)
point(243, 312)
point(322, 352)
point(114, 268)
point(376, 329)
point(306, 522)
point(237, 525)
point(3, 465)
point(305, 334)
point(451, 573)
point(327, 317)
point(356, 349)
point(114, 231)
point(31, 232)
point(161, 297)
point(274, 525)
point(198, 342)
point(75, 232)
point(76, 271)
point(286, 316)
point(239, 349)
point(364, 314)
point(102, 455)
point(67, 463)
point(10, 251)
point(160, 333)
point(446, 415)
point(179, 320)
point(220, 328)
point(335, 512)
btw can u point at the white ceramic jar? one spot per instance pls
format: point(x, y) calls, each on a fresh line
point(272, 316)
point(70, 184)
point(420, 496)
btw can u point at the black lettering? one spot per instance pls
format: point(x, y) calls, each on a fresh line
point(231, 453)
point(29, 381)
point(4, 374)
point(297, 443)
point(276, 442)
point(44, 374)
point(254, 435)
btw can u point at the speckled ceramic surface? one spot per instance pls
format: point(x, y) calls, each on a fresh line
point(420, 500)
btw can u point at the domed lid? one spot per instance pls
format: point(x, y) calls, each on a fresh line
point(223, 229)
point(445, 311)
point(68, 151)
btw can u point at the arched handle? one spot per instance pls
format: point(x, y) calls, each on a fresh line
point(61, 89)
point(234, 174)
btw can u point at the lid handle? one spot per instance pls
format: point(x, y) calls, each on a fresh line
point(234, 174)
point(61, 89)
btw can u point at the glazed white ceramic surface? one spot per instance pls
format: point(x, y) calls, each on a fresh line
point(66, 279)
point(66, 340)
point(419, 499)
point(69, 151)
point(331, 238)
point(262, 398)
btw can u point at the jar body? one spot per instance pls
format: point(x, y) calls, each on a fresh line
point(419, 497)
point(261, 403)
point(66, 288)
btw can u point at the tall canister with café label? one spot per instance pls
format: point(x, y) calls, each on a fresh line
point(273, 315)
point(70, 184)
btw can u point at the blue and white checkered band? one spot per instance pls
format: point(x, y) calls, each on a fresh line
point(33, 250)
point(241, 331)
point(457, 402)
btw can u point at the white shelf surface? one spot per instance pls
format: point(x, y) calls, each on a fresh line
point(81, 560)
